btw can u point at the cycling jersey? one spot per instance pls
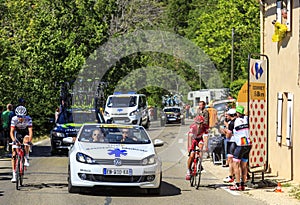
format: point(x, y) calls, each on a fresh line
point(241, 132)
point(197, 136)
point(21, 127)
point(196, 132)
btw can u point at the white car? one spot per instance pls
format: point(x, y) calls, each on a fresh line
point(115, 160)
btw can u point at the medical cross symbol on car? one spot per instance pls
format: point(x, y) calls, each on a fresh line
point(117, 152)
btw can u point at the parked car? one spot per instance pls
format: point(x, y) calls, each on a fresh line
point(114, 161)
point(222, 106)
point(173, 115)
point(68, 125)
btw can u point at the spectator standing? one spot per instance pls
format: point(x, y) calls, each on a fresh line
point(1, 124)
point(230, 144)
point(223, 133)
point(151, 113)
point(6, 118)
point(57, 110)
point(187, 110)
point(202, 111)
point(213, 116)
point(242, 150)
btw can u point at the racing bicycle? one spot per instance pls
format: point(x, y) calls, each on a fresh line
point(20, 160)
point(196, 169)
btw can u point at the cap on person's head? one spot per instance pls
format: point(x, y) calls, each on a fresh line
point(231, 111)
point(240, 109)
point(22, 100)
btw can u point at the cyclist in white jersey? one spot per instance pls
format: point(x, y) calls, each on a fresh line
point(242, 150)
point(21, 132)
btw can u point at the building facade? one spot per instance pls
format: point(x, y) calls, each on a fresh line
point(280, 42)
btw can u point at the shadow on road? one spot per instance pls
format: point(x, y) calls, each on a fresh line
point(28, 186)
point(167, 190)
point(45, 151)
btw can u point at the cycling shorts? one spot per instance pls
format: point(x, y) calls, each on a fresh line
point(230, 148)
point(241, 153)
point(195, 143)
point(21, 134)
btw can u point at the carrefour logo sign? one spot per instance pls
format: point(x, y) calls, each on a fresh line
point(257, 70)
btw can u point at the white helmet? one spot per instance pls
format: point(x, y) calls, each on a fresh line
point(21, 111)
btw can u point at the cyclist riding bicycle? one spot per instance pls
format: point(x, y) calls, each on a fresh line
point(21, 132)
point(195, 139)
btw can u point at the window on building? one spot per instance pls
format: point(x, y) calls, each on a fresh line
point(284, 13)
point(284, 118)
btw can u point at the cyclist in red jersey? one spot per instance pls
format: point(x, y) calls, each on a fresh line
point(195, 138)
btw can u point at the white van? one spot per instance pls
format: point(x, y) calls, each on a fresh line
point(128, 108)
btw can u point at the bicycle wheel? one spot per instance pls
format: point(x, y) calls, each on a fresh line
point(18, 172)
point(198, 174)
point(193, 173)
point(22, 170)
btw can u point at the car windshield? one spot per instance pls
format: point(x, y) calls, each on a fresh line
point(76, 116)
point(113, 134)
point(221, 106)
point(171, 110)
point(122, 101)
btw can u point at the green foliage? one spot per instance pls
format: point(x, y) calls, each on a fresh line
point(235, 87)
point(210, 27)
point(44, 43)
point(295, 192)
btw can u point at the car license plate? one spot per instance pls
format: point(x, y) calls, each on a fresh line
point(119, 121)
point(107, 171)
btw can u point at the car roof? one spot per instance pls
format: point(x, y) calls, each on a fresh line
point(223, 101)
point(172, 107)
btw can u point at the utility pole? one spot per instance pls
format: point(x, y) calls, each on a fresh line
point(200, 74)
point(232, 41)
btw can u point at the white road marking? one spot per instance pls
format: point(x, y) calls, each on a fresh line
point(184, 152)
point(235, 193)
point(180, 140)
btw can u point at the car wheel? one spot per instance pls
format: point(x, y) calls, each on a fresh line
point(53, 151)
point(147, 124)
point(71, 189)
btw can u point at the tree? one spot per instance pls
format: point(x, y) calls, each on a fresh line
point(210, 27)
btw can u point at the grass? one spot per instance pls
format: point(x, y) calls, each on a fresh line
point(286, 185)
point(36, 139)
point(295, 192)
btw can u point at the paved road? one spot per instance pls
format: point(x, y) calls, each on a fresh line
point(46, 180)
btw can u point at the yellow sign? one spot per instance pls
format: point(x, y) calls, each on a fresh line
point(243, 93)
point(258, 91)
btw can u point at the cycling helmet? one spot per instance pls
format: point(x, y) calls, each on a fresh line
point(231, 112)
point(21, 111)
point(199, 119)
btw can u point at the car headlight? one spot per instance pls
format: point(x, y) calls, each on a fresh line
point(80, 157)
point(133, 113)
point(58, 134)
point(149, 160)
